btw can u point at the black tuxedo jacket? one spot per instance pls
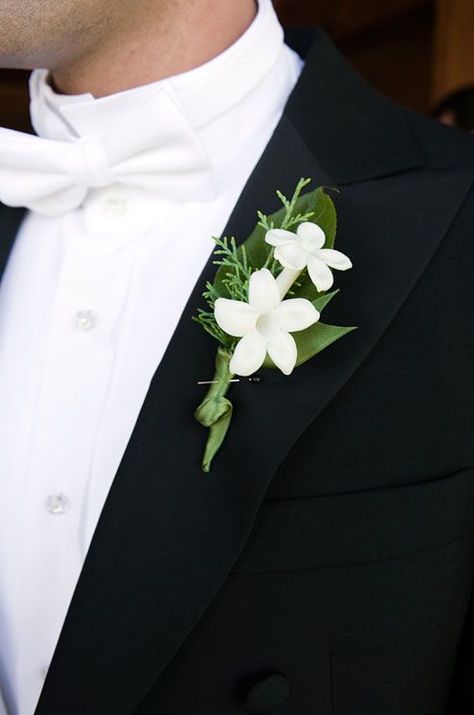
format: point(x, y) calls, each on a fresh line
point(324, 566)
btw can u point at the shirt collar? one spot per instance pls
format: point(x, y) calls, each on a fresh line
point(203, 93)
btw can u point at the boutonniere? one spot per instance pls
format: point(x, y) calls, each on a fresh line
point(265, 303)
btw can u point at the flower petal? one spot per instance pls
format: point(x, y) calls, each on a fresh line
point(335, 259)
point(281, 347)
point(291, 256)
point(249, 354)
point(280, 237)
point(295, 314)
point(320, 274)
point(264, 295)
point(234, 317)
point(312, 235)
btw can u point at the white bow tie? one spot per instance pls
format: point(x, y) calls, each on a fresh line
point(153, 148)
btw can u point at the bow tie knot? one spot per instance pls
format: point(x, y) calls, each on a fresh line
point(88, 164)
point(153, 148)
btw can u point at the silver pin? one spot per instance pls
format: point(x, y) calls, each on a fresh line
point(214, 382)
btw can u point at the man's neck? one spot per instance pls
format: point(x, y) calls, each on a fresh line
point(157, 48)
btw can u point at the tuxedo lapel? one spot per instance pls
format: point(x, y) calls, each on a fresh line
point(10, 220)
point(169, 534)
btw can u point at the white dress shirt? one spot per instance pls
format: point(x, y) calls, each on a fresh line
point(88, 304)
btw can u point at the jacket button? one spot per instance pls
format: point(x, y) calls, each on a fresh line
point(268, 694)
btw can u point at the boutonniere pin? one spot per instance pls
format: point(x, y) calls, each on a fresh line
point(265, 303)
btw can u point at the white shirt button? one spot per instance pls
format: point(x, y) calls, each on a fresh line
point(44, 672)
point(85, 320)
point(114, 207)
point(57, 504)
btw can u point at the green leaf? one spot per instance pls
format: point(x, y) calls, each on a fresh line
point(321, 302)
point(325, 215)
point(313, 340)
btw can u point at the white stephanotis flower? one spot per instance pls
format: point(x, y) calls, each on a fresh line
point(264, 325)
point(304, 249)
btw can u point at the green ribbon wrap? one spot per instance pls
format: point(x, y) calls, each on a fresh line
point(215, 411)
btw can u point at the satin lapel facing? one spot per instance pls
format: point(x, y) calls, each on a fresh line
point(169, 534)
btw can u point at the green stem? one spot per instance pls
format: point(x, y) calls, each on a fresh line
point(291, 206)
point(215, 411)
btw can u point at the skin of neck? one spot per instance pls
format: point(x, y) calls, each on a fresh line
point(157, 43)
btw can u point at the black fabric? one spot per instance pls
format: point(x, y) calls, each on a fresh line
point(332, 543)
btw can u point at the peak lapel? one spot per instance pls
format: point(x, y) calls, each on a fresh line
point(169, 534)
point(355, 133)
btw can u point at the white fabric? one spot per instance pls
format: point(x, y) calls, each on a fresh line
point(162, 155)
point(88, 304)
